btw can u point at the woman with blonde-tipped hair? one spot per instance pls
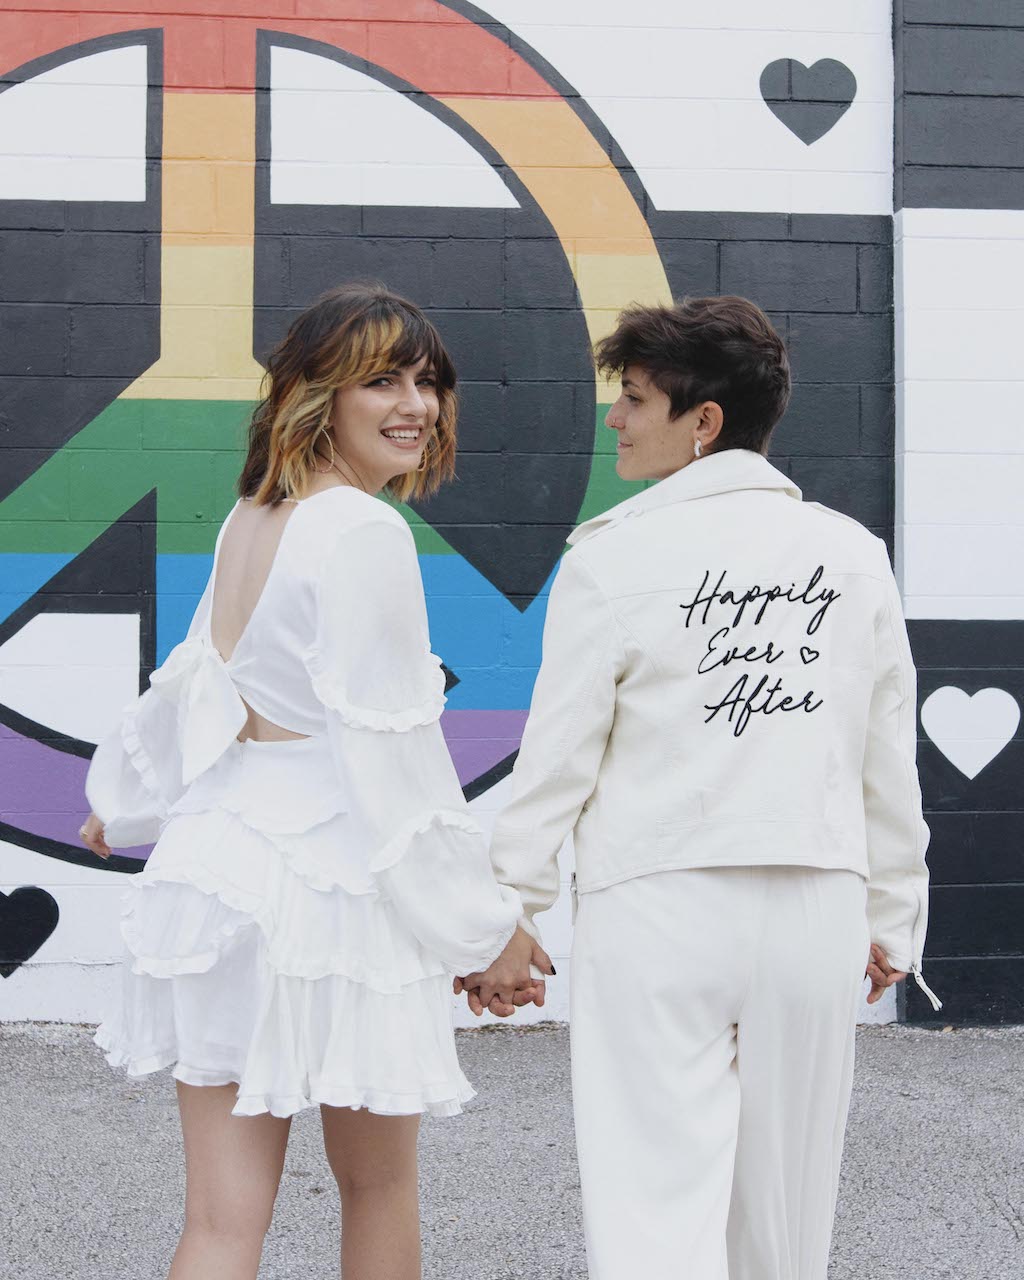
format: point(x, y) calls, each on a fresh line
point(317, 880)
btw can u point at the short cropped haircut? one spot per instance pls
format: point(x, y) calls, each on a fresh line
point(722, 349)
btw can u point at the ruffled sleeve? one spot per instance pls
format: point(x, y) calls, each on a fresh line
point(137, 772)
point(383, 692)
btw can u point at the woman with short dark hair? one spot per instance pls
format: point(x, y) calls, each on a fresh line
point(724, 720)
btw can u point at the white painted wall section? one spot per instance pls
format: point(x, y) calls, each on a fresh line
point(80, 695)
point(684, 102)
point(340, 137)
point(77, 131)
point(960, 412)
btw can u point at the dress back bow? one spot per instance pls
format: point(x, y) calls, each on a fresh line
point(211, 714)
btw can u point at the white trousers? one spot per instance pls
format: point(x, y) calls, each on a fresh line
point(713, 1017)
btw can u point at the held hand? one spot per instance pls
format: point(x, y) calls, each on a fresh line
point(881, 973)
point(91, 832)
point(497, 1007)
point(507, 985)
point(532, 994)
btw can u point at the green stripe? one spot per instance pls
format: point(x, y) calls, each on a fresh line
point(118, 458)
point(191, 452)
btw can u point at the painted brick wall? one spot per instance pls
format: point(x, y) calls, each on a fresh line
point(826, 281)
point(959, 229)
point(178, 181)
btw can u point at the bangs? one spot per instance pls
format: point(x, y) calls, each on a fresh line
point(391, 337)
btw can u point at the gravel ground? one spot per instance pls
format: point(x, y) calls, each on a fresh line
point(933, 1181)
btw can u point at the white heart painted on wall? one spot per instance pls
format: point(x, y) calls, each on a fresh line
point(970, 731)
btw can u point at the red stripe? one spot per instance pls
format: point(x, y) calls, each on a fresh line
point(421, 41)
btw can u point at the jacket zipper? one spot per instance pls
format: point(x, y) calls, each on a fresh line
point(915, 968)
point(915, 973)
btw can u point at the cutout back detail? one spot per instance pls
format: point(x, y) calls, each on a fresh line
point(243, 566)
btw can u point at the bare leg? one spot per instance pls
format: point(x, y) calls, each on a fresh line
point(232, 1170)
point(373, 1159)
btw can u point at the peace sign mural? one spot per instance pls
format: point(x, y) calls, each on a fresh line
point(174, 187)
point(187, 185)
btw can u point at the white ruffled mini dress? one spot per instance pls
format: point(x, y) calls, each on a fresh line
point(297, 925)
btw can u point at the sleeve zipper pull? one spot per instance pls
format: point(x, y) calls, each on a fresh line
point(915, 971)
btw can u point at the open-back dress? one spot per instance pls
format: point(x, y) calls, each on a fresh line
point(297, 924)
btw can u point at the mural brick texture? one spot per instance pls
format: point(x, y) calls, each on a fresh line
point(179, 179)
point(959, 187)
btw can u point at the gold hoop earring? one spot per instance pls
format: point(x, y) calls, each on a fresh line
point(330, 444)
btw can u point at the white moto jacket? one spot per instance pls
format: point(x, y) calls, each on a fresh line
point(726, 680)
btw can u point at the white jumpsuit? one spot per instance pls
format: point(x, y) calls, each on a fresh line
point(724, 720)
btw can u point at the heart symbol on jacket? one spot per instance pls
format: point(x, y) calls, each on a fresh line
point(970, 731)
point(809, 655)
point(27, 918)
point(808, 100)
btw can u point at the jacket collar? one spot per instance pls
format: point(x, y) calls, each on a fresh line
point(717, 473)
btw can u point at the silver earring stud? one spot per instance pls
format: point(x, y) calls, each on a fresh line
point(696, 448)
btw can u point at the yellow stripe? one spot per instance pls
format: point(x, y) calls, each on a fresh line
point(206, 258)
point(607, 283)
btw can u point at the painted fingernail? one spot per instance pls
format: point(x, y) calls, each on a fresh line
point(554, 972)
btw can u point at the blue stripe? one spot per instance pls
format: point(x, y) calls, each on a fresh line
point(492, 647)
point(22, 573)
point(180, 582)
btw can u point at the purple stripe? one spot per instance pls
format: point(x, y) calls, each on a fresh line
point(42, 791)
point(478, 740)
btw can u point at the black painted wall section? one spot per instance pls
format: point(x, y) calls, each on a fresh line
point(959, 104)
point(975, 950)
point(79, 319)
point(826, 282)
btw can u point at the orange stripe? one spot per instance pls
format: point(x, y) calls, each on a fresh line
point(209, 175)
point(564, 168)
point(206, 255)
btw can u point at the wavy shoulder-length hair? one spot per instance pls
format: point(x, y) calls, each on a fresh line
point(349, 335)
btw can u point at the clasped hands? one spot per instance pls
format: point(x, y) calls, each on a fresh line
point(507, 984)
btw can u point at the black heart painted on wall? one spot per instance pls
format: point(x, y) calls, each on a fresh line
point(808, 100)
point(27, 918)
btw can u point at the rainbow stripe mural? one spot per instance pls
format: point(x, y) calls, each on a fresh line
point(156, 463)
point(177, 181)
